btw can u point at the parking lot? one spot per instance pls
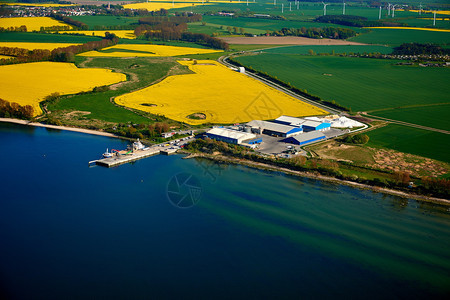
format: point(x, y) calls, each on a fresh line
point(275, 146)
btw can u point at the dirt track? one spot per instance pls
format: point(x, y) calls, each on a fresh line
point(284, 40)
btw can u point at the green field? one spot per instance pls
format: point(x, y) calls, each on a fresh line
point(29, 37)
point(329, 49)
point(411, 140)
point(93, 21)
point(358, 83)
point(435, 116)
point(396, 37)
point(265, 24)
point(416, 22)
point(148, 70)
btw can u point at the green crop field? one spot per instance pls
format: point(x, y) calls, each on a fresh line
point(396, 37)
point(422, 22)
point(358, 83)
point(30, 37)
point(435, 116)
point(329, 49)
point(99, 104)
point(265, 24)
point(411, 140)
point(93, 21)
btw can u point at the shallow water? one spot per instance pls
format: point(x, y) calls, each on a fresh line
point(73, 232)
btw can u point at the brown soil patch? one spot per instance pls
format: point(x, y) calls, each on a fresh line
point(77, 113)
point(382, 159)
point(284, 40)
point(415, 165)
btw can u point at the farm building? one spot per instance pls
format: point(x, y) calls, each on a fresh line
point(315, 126)
point(229, 135)
point(305, 138)
point(271, 128)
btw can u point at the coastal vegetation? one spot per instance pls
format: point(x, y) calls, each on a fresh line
point(401, 180)
point(15, 110)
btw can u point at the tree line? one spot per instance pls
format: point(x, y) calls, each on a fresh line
point(420, 49)
point(22, 28)
point(63, 54)
point(328, 32)
point(161, 27)
point(355, 21)
point(15, 110)
point(70, 21)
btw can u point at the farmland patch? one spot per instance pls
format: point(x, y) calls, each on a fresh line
point(220, 94)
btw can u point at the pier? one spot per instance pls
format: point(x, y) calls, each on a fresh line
point(138, 151)
point(123, 159)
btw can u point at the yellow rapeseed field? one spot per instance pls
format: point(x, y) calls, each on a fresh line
point(32, 23)
point(153, 6)
point(28, 84)
point(219, 93)
point(32, 46)
point(438, 12)
point(124, 34)
point(413, 28)
point(146, 50)
point(4, 56)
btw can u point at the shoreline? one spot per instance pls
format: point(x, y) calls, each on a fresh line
point(262, 166)
point(74, 129)
point(251, 164)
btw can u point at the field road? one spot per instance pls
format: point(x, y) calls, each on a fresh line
point(406, 124)
point(223, 60)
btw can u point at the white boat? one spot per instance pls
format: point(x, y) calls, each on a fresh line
point(107, 154)
point(138, 145)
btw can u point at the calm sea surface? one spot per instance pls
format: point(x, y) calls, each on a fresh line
point(68, 231)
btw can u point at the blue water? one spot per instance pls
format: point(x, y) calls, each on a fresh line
point(68, 231)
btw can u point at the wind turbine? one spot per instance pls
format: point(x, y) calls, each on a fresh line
point(343, 8)
point(282, 8)
point(420, 8)
point(393, 10)
point(274, 2)
point(379, 14)
point(434, 19)
point(389, 9)
point(325, 8)
point(290, 6)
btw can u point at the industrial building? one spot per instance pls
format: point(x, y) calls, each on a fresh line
point(275, 129)
point(307, 125)
point(230, 136)
point(292, 121)
point(305, 138)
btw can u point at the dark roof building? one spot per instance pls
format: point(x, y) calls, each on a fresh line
point(305, 138)
point(271, 128)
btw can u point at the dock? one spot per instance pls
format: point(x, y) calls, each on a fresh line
point(123, 159)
